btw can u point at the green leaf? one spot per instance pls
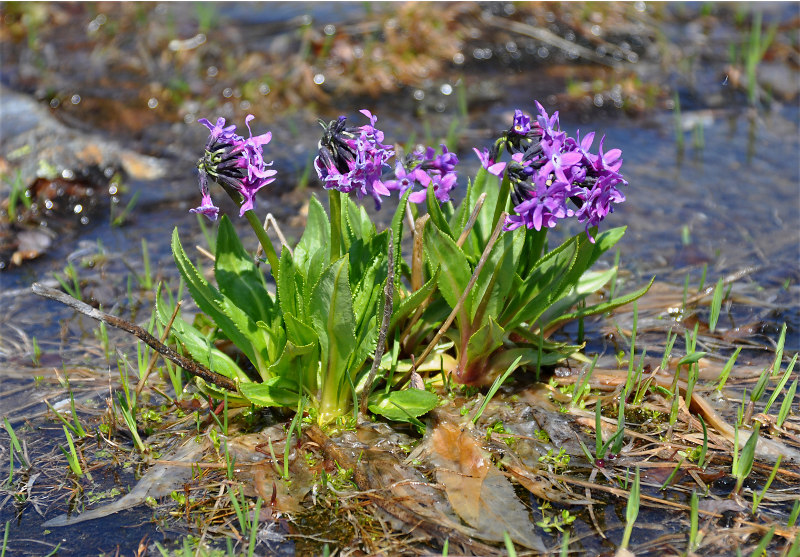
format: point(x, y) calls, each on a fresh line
point(209, 389)
point(317, 236)
point(440, 249)
point(435, 212)
point(331, 313)
point(401, 406)
point(484, 341)
point(359, 225)
point(316, 266)
point(539, 289)
point(197, 345)
point(413, 301)
point(605, 241)
point(482, 231)
point(496, 278)
point(290, 286)
point(234, 322)
point(590, 282)
point(461, 215)
point(237, 276)
point(600, 308)
point(299, 364)
point(397, 231)
point(278, 391)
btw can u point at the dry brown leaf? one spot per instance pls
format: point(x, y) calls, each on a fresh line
point(478, 492)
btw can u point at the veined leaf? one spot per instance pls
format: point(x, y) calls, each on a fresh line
point(278, 391)
point(290, 286)
point(357, 221)
point(209, 389)
point(590, 282)
point(317, 264)
point(496, 279)
point(541, 285)
point(298, 364)
point(317, 236)
point(461, 215)
point(455, 271)
point(479, 237)
point(484, 341)
point(402, 406)
point(238, 278)
point(233, 321)
point(413, 301)
point(435, 211)
point(197, 345)
point(600, 308)
point(332, 318)
point(397, 231)
point(604, 241)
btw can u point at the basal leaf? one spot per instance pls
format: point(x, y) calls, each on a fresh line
point(539, 288)
point(484, 341)
point(590, 282)
point(401, 406)
point(290, 286)
point(332, 318)
point(605, 241)
point(397, 231)
point(237, 276)
point(298, 364)
point(197, 345)
point(482, 231)
point(435, 211)
point(278, 391)
point(495, 280)
point(211, 390)
point(442, 251)
point(413, 301)
point(233, 322)
point(317, 236)
point(600, 308)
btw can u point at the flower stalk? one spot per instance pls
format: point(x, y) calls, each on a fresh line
point(263, 239)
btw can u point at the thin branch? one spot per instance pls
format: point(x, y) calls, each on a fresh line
point(189, 365)
point(472, 218)
point(388, 301)
point(462, 299)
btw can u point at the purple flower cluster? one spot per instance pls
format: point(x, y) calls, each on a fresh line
point(554, 176)
point(429, 170)
point(352, 159)
point(234, 162)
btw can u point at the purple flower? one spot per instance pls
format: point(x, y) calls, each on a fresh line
point(428, 170)
point(521, 124)
point(236, 163)
point(544, 207)
point(554, 176)
point(352, 159)
point(489, 164)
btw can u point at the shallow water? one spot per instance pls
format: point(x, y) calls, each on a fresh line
point(730, 203)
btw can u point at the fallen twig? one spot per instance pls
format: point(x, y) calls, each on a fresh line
point(196, 369)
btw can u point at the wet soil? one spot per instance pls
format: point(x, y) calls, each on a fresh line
point(713, 191)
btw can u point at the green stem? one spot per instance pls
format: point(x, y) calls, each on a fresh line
point(335, 203)
point(264, 240)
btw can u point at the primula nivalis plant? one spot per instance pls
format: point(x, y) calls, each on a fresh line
point(482, 289)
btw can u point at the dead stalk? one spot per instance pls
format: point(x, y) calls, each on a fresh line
point(462, 299)
point(152, 363)
point(189, 365)
point(388, 293)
